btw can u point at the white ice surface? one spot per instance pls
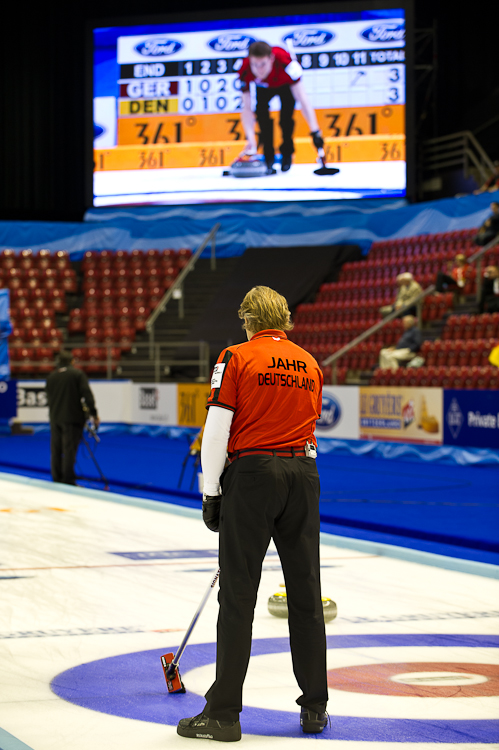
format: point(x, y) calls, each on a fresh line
point(62, 542)
point(354, 180)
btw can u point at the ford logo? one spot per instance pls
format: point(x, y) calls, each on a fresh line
point(331, 412)
point(231, 43)
point(308, 37)
point(158, 47)
point(384, 32)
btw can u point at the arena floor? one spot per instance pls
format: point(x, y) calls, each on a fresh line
point(96, 586)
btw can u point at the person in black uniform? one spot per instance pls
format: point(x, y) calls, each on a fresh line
point(266, 397)
point(67, 387)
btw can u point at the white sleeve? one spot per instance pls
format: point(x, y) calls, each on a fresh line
point(214, 447)
point(294, 70)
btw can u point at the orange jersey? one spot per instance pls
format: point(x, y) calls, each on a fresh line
point(274, 388)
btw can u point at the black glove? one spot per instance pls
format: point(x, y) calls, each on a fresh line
point(317, 139)
point(211, 511)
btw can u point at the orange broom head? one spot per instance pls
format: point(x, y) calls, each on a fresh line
point(172, 675)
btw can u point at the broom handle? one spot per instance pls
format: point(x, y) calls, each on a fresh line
point(292, 54)
point(182, 646)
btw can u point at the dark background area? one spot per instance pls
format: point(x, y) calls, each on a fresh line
point(42, 87)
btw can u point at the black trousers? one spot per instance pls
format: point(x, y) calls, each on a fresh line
point(263, 498)
point(488, 303)
point(64, 441)
point(482, 238)
point(286, 121)
point(445, 282)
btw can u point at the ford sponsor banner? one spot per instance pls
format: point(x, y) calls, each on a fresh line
point(401, 415)
point(231, 42)
point(305, 38)
point(158, 47)
point(384, 33)
point(340, 412)
point(471, 418)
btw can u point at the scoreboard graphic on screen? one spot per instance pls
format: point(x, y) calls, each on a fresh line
point(168, 109)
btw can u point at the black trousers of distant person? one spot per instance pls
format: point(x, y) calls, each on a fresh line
point(286, 121)
point(484, 237)
point(268, 497)
point(65, 438)
point(444, 282)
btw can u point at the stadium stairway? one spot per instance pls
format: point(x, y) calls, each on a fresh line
point(200, 287)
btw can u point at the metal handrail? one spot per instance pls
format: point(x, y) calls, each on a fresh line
point(333, 358)
point(203, 361)
point(466, 147)
point(178, 283)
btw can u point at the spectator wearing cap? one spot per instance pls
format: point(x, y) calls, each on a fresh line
point(408, 291)
point(406, 347)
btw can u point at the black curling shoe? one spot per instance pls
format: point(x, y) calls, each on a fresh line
point(201, 727)
point(286, 164)
point(312, 722)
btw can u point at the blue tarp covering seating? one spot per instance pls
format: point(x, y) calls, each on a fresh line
point(248, 225)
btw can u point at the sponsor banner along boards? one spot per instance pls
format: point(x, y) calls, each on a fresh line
point(471, 418)
point(154, 403)
point(192, 398)
point(340, 413)
point(402, 415)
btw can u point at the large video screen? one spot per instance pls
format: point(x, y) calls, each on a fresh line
point(302, 107)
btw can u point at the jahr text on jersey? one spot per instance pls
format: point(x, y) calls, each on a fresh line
point(287, 364)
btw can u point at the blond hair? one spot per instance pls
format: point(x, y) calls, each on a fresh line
point(263, 308)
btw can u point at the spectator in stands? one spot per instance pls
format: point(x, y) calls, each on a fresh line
point(406, 347)
point(408, 290)
point(489, 297)
point(460, 275)
point(489, 228)
point(492, 184)
point(67, 392)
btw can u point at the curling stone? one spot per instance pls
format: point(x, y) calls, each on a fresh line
point(278, 606)
point(248, 165)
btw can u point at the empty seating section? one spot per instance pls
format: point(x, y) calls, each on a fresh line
point(119, 288)
point(442, 376)
point(38, 283)
point(120, 291)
